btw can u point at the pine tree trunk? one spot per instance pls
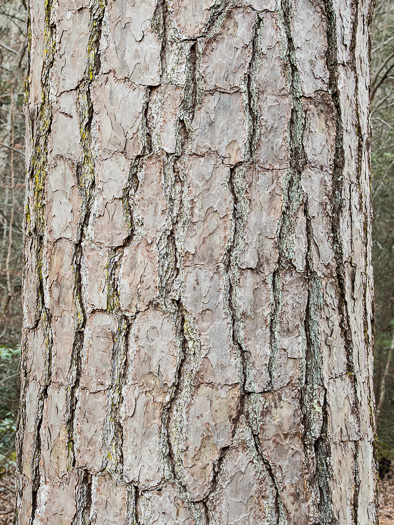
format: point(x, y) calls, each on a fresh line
point(198, 290)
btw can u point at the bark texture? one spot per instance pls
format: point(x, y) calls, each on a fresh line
point(198, 286)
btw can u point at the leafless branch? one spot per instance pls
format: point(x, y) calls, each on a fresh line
point(8, 48)
point(377, 82)
point(11, 148)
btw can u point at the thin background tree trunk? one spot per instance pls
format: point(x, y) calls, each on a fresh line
point(198, 285)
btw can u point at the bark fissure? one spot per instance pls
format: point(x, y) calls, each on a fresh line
point(132, 515)
point(160, 22)
point(133, 182)
point(35, 228)
point(231, 266)
point(280, 508)
point(322, 451)
point(356, 483)
point(86, 182)
point(338, 185)
point(314, 393)
point(294, 194)
point(36, 455)
point(113, 434)
point(360, 150)
point(170, 269)
point(83, 498)
point(274, 325)
point(251, 88)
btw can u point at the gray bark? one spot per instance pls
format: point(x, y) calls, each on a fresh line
point(198, 285)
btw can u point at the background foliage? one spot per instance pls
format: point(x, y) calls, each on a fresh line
point(13, 54)
point(13, 51)
point(382, 102)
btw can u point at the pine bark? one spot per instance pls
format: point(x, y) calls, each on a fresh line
point(198, 320)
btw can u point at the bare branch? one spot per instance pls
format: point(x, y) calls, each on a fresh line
point(378, 82)
point(11, 148)
point(8, 48)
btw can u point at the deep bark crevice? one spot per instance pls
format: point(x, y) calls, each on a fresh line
point(314, 393)
point(113, 433)
point(294, 197)
point(280, 509)
point(132, 515)
point(86, 183)
point(251, 88)
point(35, 228)
point(83, 498)
point(338, 185)
point(217, 14)
point(232, 270)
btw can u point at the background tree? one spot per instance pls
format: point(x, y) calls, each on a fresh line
point(382, 95)
point(13, 45)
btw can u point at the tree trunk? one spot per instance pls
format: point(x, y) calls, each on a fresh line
point(198, 285)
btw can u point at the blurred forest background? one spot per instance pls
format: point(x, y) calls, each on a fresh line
point(13, 72)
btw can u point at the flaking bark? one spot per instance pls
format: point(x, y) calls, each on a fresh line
point(198, 323)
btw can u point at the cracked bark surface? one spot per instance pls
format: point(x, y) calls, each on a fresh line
point(198, 320)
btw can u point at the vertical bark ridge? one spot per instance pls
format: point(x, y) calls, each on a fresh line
point(236, 190)
point(314, 394)
point(169, 264)
point(338, 174)
point(294, 196)
point(115, 256)
point(113, 435)
point(242, 415)
point(363, 150)
point(315, 427)
point(236, 187)
point(338, 178)
point(171, 260)
point(217, 13)
point(86, 182)
point(35, 224)
point(232, 270)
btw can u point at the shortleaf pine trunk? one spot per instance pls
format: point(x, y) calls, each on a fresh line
point(198, 322)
